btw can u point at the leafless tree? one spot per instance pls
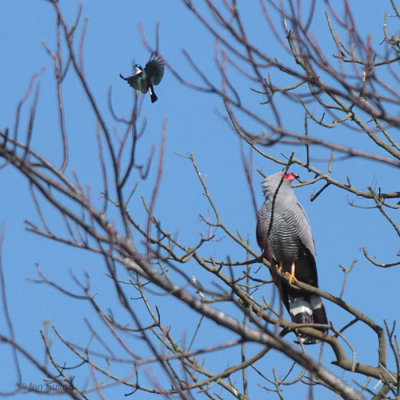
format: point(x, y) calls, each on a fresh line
point(353, 88)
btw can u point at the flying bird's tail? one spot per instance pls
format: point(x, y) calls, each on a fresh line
point(308, 310)
point(153, 96)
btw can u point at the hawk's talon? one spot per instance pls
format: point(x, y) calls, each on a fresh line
point(291, 274)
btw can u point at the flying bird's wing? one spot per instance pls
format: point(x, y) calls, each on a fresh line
point(137, 82)
point(155, 69)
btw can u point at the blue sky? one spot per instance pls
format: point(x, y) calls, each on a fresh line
point(195, 126)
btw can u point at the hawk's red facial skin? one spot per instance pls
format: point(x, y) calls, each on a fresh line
point(289, 176)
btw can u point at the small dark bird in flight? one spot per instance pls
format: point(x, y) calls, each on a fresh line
point(144, 79)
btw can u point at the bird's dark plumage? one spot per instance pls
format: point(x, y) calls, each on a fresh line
point(145, 79)
point(284, 235)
